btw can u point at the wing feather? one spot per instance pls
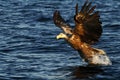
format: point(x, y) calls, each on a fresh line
point(91, 10)
point(60, 22)
point(84, 6)
point(88, 26)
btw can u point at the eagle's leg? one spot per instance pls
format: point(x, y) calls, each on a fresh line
point(94, 56)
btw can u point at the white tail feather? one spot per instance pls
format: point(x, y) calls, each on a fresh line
point(100, 59)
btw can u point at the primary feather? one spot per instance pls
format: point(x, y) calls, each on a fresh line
point(60, 22)
point(88, 24)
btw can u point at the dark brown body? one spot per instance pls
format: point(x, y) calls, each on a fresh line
point(85, 50)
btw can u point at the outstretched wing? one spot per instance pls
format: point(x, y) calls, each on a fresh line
point(88, 25)
point(60, 22)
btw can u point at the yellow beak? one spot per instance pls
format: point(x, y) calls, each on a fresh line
point(61, 36)
point(58, 37)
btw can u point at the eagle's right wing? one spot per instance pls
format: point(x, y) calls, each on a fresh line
point(88, 24)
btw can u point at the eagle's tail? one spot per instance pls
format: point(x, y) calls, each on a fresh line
point(100, 59)
point(94, 56)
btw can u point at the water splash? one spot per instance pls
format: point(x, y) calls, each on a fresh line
point(101, 59)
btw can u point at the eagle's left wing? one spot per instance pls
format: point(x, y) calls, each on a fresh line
point(60, 22)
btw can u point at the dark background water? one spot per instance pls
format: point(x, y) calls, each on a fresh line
point(29, 50)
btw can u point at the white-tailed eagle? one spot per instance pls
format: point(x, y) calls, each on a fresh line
point(86, 32)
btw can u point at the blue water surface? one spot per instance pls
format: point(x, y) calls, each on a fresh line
point(29, 50)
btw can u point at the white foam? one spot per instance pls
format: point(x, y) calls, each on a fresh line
point(100, 59)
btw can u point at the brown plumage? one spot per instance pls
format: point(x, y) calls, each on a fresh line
point(87, 31)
